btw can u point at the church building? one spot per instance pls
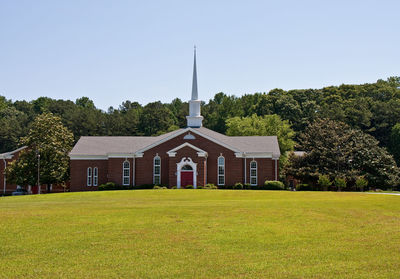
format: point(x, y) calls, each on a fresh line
point(193, 155)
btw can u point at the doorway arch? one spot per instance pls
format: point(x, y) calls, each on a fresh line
point(186, 167)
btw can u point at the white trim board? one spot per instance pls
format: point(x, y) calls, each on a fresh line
point(200, 152)
point(88, 157)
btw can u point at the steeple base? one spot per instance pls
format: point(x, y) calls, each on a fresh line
point(194, 121)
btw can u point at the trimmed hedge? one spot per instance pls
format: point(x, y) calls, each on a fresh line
point(113, 186)
point(210, 186)
point(144, 186)
point(159, 187)
point(247, 186)
point(238, 186)
point(273, 185)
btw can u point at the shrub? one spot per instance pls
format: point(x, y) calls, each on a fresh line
point(143, 186)
point(113, 186)
point(248, 186)
point(199, 187)
point(210, 186)
point(304, 187)
point(159, 187)
point(107, 186)
point(238, 186)
point(273, 185)
point(189, 187)
point(361, 183)
point(174, 187)
point(340, 183)
point(324, 181)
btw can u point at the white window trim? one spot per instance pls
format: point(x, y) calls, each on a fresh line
point(253, 176)
point(154, 169)
point(123, 173)
point(95, 176)
point(219, 175)
point(89, 176)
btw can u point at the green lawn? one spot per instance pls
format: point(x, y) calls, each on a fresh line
point(200, 234)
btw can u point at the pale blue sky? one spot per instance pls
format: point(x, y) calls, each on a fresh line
point(112, 51)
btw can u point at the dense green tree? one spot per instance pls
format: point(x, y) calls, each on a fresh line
point(371, 161)
point(85, 102)
point(42, 104)
point(335, 149)
point(180, 110)
point(267, 125)
point(52, 141)
point(13, 125)
point(4, 103)
point(219, 109)
point(394, 144)
point(155, 118)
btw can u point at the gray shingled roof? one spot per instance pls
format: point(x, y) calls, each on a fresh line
point(10, 154)
point(245, 143)
point(101, 146)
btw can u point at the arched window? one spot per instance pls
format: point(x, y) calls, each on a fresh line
point(89, 176)
point(253, 173)
point(187, 168)
point(221, 170)
point(95, 176)
point(157, 170)
point(126, 169)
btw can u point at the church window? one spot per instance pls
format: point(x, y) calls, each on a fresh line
point(187, 168)
point(157, 170)
point(95, 176)
point(253, 173)
point(89, 176)
point(126, 169)
point(221, 170)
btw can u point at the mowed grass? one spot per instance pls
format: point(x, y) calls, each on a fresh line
point(200, 234)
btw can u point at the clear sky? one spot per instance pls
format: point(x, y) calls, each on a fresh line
point(112, 51)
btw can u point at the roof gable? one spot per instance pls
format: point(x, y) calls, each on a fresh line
point(104, 147)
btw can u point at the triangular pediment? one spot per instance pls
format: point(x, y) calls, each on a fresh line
point(200, 152)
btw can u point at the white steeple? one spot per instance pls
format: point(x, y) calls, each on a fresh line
point(194, 120)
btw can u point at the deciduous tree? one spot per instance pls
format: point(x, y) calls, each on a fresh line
point(268, 125)
point(52, 141)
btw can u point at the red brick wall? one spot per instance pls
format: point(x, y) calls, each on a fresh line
point(111, 169)
point(79, 174)
point(233, 165)
point(265, 169)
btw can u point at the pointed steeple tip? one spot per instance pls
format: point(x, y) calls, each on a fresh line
point(194, 119)
point(194, 84)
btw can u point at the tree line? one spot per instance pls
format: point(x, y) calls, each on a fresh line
point(372, 108)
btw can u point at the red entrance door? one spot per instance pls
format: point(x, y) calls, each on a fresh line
point(186, 178)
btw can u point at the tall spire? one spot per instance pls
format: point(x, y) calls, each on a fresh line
point(195, 95)
point(194, 120)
